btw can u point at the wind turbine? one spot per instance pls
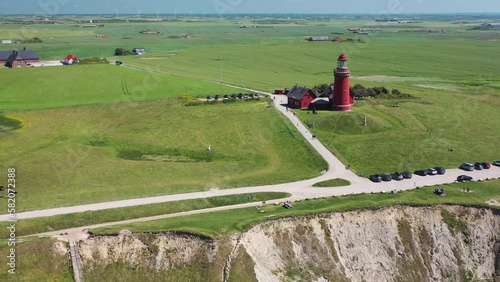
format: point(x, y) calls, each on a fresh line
point(175, 14)
point(158, 14)
point(117, 13)
point(139, 13)
point(190, 13)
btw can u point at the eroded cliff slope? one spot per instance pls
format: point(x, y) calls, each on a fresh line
point(442, 243)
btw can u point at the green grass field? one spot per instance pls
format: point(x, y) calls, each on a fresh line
point(104, 152)
point(100, 133)
point(55, 87)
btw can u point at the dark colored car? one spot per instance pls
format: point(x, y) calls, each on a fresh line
point(478, 166)
point(375, 178)
point(240, 96)
point(440, 170)
point(209, 97)
point(233, 96)
point(406, 174)
point(421, 172)
point(431, 171)
point(462, 178)
point(497, 163)
point(386, 177)
point(486, 165)
point(397, 176)
point(226, 96)
point(467, 166)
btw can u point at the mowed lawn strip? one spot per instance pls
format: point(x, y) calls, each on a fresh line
point(220, 224)
point(96, 153)
point(338, 182)
point(60, 222)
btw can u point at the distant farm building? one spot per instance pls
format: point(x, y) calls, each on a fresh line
point(492, 25)
point(139, 51)
point(338, 39)
point(69, 60)
point(248, 26)
point(102, 36)
point(150, 32)
point(6, 41)
point(300, 97)
point(319, 38)
point(187, 36)
point(17, 59)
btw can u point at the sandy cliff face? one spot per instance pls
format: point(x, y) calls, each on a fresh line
point(394, 244)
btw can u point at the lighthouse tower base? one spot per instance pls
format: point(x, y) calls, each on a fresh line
point(341, 108)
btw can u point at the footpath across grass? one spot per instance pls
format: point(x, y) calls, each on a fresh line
point(221, 224)
point(47, 224)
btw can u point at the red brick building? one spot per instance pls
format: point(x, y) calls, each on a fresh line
point(300, 97)
point(17, 59)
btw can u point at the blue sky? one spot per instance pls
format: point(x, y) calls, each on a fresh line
point(386, 7)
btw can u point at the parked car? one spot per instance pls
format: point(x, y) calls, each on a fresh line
point(240, 96)
point(209, 97)
point(233, 96)
point(257, 95)
point(421, 172)
point(226, 96)
point(462, 178)
point(497, 163)
point(431, 171)
point(486, 165)
point(397, 176)
point(440, 170)
point(375, 178)
point(118, 63)
point(406, 174)
point(467, 166)
point(217, 97)
point(386, 177)
point(478, 166)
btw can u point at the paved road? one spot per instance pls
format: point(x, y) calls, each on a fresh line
point(299, 190)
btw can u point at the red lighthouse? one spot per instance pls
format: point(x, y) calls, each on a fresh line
point(342, 99)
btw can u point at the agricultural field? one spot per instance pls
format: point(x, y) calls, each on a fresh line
point(102, 132)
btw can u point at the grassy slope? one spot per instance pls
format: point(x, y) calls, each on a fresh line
point(220, 224)
point(36, 261)
point(70, 156)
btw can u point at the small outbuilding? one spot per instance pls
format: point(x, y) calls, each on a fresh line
point(139, 51)
point(300, 97)
point(319, 38)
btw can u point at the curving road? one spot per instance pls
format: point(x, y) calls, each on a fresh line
point(298, 190)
